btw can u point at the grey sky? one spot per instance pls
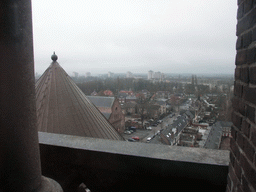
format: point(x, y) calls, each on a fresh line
point(171, 36)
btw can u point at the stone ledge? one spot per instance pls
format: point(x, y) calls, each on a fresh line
point(164, 152)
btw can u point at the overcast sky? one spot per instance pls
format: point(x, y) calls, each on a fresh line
point(171, 36)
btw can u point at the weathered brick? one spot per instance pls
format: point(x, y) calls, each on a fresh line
point(252, 75)
point(237, 120)
point(247, 39)
point(235, 102)
point(245, 74)
point(241, 57)
point(249, 94)
point(233, 177)
point(254, 160)
point(239, 43)
point(233, 133)
point(249, 171)
point(254, 33)
point(239, 188)
point(237, 73)
point(251, 58)
point(249, 150)
point(253, 136)
point(247, 6)
point(229, 183)
point(238, 170)
point(241, 107)
point(246, 128)
point(251, 17)
point(232, 159)
point(238, 89)
point(240, 140)
point(245, 184)
point(235, 149)
point(238, 105)
point(242, 25)
point(240, 11)
point(239, 2)
point(250, 113)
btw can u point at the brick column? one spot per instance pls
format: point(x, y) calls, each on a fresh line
point(242, 168)
point(19, 149)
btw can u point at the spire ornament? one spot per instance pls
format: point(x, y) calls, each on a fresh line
point(54, 57)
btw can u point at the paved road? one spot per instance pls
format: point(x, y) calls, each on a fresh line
point(144, 134)
point(166, 121)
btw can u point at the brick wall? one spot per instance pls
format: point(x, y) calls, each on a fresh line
point(242, 168)
point(117, 118)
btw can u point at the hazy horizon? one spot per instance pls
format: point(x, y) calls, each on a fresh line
point(168, 36)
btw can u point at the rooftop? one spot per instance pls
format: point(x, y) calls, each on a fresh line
point(63, 108)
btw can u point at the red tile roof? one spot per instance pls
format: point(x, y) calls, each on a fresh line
point(63, 108)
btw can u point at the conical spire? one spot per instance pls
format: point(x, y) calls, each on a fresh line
point(63, 108)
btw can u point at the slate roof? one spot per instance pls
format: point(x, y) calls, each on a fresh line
point(214, 136)
point(102, 101)
point(63, 108)
point(160, 102)
point(178, 124)
point(130, 105)
point(187, 113)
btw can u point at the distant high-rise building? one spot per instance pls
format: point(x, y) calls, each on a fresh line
point(110, 74)
point(192, 80)
point(150, 74)
point(76, 74)
point(88, 74)
point(162, 76)
point(157, 75)
point(129, 74)
point(195, 80)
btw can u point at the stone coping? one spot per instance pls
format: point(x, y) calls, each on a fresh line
point(164, 152)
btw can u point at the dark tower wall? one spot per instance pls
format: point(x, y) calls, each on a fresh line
point(242, 168)
point(20, 168)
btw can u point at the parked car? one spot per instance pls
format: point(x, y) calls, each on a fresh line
point(127, 132)
point(133, 129)
point(149, 128)
point(154, 125)
point(148, 139)
point(159, 121)
point(131, 140)
point(136, 138)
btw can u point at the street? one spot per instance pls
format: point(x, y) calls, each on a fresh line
point(144, 134)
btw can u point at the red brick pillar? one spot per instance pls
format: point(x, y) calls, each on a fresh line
point(242, 168)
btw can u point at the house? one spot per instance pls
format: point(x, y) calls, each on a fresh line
point(94, 93)
point(129, 108)
point(130, 98)
point(146, 93)
point(126, 96)
point(189, 137)
point(190, 115)
point(111, 109)
point(163, 94)
point(170, 135)
point(163, 106)
point(108, 93)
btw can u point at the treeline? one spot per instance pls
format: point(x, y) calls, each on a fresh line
point(116, 85)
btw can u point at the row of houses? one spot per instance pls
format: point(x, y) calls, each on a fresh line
point(186, 131)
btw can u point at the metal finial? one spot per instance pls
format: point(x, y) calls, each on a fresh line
point(54, 57)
